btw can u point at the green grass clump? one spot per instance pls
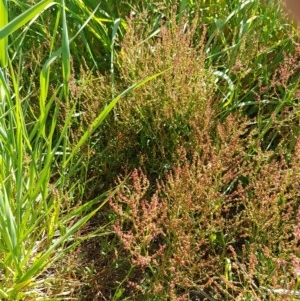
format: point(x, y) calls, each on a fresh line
point(41, 209)
point(38, 215)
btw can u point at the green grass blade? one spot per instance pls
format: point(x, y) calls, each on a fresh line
point(25, 17)
point(4, 40)
point(112, 54)
point(65, 52)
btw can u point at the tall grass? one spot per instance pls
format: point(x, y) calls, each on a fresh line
point(31, 221)
point(38, 215)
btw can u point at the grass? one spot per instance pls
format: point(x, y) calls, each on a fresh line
point(148, 151)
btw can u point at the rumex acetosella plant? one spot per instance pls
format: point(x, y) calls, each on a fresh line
point(217, 219)
point(220, 224)
point(148, 126)
point(191, 220)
